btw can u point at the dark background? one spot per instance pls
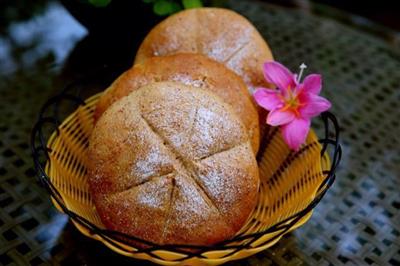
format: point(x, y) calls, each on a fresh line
point(385, 12)
point(111, 28)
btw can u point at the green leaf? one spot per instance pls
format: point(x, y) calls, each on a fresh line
point(175, 7)
point(100, 3)
point(165, 7)
point(148, 1)
point(162, 8)
point(191, 3)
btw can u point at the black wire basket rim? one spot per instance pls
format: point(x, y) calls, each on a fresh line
point(114, 237)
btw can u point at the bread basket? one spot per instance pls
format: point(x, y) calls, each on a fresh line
point(292, 184)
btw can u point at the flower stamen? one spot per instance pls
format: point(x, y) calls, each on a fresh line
point(302, 67)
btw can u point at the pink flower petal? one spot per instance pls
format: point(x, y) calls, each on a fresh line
point(312, 84)
point(295, 132)
point(313, 105)
point(268, 99)
point(278, 117)
point(279, 75)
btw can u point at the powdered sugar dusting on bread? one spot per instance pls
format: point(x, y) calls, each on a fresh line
point(172, 128)
point(212, 132)
point(205, 119)
point(148, 165)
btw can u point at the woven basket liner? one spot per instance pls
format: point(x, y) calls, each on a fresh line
point(289, 182)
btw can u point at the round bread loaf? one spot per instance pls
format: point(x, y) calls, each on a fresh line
point(191, 69)
point(172, 164)
point(221, 34)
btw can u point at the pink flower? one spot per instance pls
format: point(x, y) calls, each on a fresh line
point(292, 104)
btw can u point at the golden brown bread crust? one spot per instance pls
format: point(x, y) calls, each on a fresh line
point(172, 164)
point(221, 34)
point(191, 69)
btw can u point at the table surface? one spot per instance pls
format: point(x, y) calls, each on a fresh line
point(358, 221)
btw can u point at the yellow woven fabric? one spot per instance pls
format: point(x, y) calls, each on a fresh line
point(289, 182)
